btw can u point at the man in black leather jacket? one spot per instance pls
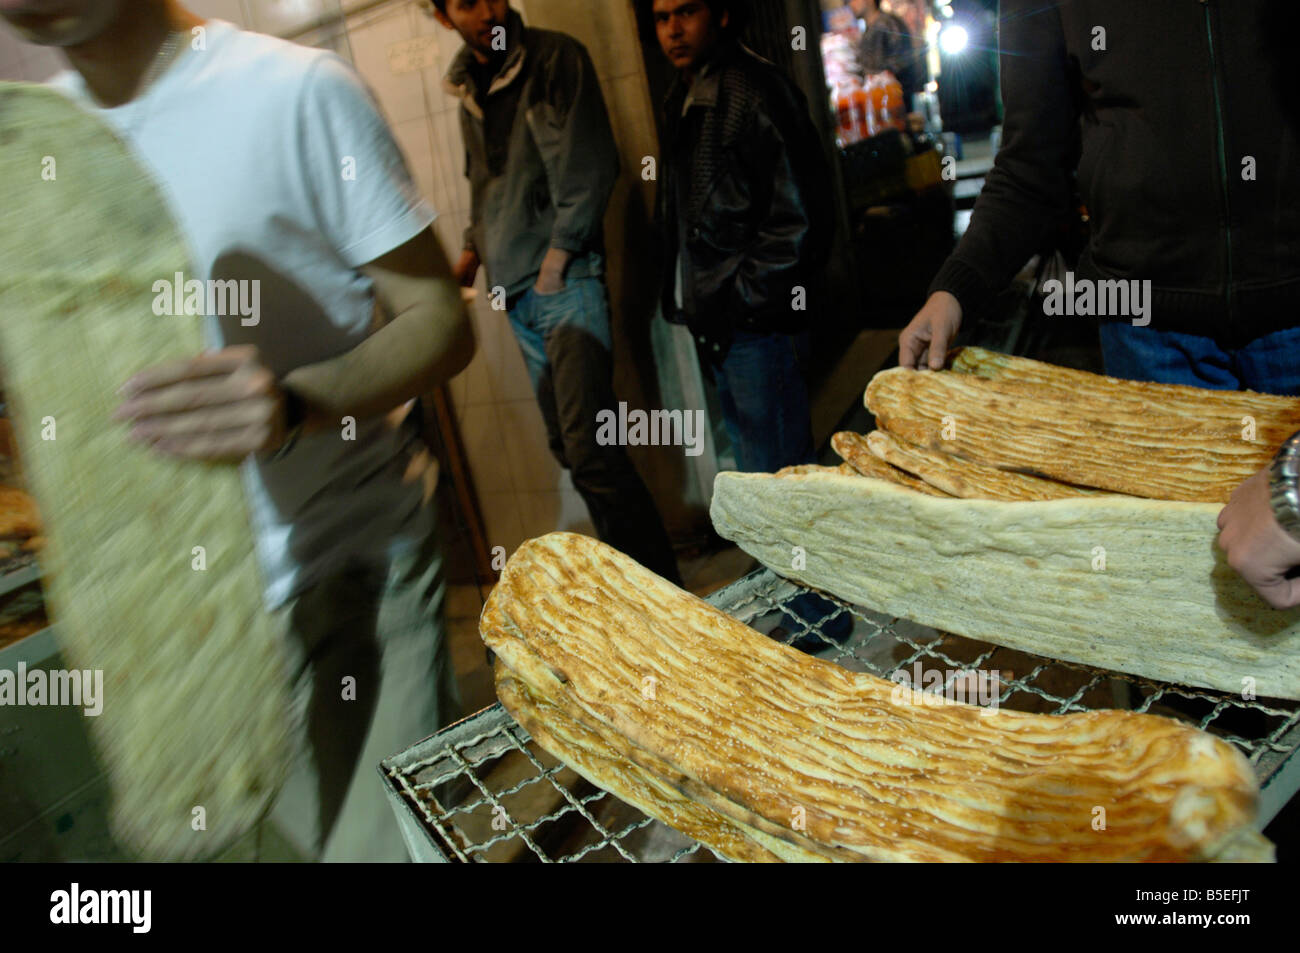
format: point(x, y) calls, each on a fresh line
point(746, 213)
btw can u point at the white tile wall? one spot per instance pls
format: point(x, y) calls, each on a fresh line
point(540, 512)
point(532, 466)
point(501, 514)
point(402, 94)
point(287, 17)
point(484, 446)
point(413, 137)
point(231, 11)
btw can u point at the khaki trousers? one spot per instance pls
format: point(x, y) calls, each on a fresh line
point(372, 676)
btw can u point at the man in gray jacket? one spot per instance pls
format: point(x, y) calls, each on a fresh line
point(541, 160)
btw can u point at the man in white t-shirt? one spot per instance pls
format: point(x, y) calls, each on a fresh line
point(279, 169)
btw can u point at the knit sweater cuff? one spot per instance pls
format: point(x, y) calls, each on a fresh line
point(965, 284)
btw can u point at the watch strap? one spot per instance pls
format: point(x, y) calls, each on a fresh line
point(1284, 486)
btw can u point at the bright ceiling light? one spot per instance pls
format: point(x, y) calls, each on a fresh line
point(953, 39)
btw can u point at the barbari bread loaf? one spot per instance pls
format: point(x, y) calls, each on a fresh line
point(604, 761)
point(195, 710)
point(1154, 440)
point(854, 449)
point(951, 475)
point(639, 685)
point(1117, 582)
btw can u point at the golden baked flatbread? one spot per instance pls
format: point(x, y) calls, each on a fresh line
point(856, 453)
point(958, 477)
point(1155, 440)
point(677, 699)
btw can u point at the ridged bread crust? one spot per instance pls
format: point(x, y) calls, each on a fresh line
point(958, 477)
point(855, 451)
point(804, 749)
point(1153, 440)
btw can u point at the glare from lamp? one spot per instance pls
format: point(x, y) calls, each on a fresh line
point(953, 40)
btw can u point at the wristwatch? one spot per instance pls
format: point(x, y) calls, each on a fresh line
point(1284, 486)
point(295, 415)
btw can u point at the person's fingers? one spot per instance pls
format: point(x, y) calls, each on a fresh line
point(1223, 517)
point(176, 398)
point(912, 344)
point(215, 447)
point(205, 365)
point(232, 416)
point(939, 347)
point(1279, 593)
point(1290, 593)
point(193, 393)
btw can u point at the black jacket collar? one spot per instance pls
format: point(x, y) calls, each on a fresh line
point(704, 90)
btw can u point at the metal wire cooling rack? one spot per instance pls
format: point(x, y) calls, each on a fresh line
point(482, 790)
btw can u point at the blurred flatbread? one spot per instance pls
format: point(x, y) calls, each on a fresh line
point(195, 713)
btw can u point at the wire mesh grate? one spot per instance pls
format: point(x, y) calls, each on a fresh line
point(483, 791)
point(493, 795)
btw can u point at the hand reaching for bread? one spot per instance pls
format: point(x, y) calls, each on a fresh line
point(925, 341)
point(1257, 547)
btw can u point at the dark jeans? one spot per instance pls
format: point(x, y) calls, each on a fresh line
point(566, 343)
point(765, 409)
point(765, 401)
point(1269, 365)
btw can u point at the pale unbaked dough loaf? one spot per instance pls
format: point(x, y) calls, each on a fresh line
point(196, 710)
point(1027, 575)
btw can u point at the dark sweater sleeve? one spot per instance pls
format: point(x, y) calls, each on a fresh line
point(1028, 189)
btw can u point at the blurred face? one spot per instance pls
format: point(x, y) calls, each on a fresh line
point(475, 21)
point(687, 32)
point(60, 22)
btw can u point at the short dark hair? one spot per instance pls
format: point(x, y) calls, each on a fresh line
point(737, 10)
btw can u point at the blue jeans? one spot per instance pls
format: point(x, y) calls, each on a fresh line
point(765, 401)
point(566, 344)
point(1269, 365)
point(765, 409)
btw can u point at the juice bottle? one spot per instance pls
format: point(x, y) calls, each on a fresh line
point(865, 108)
point(893, 110)
point(849, 111)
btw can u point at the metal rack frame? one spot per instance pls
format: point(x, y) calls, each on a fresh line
point(442, 789)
